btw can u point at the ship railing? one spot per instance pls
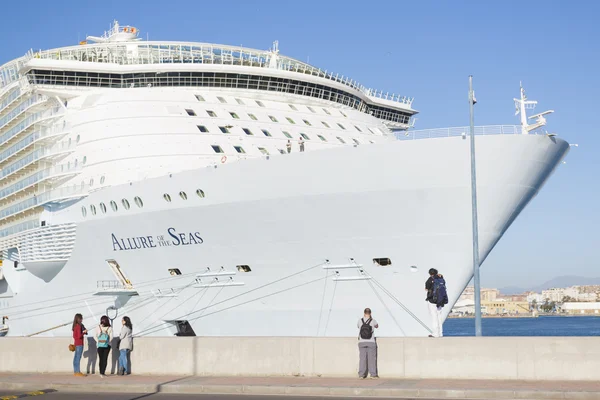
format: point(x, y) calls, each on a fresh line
point(59, 148)
point(459, 131)
point(28, 122)
point(45, 198)
point(22, 108)
point(112, 285)
point(37, 177)
point(192, 53)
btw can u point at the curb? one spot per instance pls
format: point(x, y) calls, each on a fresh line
point(380, 392)
point(339, 391)
point(88, 388)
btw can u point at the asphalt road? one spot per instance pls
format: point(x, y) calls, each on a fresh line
point(156, 396)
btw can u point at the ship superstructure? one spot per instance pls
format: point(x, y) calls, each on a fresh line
point(170, 180)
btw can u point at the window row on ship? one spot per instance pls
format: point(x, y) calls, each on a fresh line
point(137, 201)
point(216, 80)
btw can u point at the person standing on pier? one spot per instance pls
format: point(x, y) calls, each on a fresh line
point(125, 346)
point(301, 143)
point(103, 337)
point(367, 345)
point(436, 298)
point(289, 146)
point(78, 332)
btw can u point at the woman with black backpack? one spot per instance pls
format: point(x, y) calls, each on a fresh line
point(103, 338)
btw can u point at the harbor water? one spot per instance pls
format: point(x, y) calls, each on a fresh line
point(541, 326)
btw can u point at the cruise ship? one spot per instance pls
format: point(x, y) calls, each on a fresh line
point(205, 189)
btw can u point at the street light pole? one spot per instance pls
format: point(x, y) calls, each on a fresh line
point(477, 285)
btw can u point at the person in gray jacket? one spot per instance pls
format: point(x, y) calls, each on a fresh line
point(125, 346)
point(367, 345)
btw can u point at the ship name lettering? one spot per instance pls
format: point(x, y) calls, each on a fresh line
point(185, 239)
point(140, 242)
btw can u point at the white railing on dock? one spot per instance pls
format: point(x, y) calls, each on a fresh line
point(459, 131)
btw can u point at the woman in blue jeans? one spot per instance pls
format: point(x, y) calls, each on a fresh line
point(78, 332)
point(125, 346)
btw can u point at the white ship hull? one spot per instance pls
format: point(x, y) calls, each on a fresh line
point(408, 201)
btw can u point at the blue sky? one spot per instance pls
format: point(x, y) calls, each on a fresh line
point(423, 49)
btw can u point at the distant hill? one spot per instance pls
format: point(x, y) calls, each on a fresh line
point(559, 281)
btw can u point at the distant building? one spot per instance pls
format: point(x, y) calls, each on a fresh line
point(554, 294)
point(500, 307)
point(581, 308)
point(486, 294)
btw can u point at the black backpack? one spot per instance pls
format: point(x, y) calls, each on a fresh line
point(366, 330)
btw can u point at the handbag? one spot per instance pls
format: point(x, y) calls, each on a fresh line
point(71, 347)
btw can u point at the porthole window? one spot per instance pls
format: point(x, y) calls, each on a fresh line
point(305, 136)
point(102, 179)
point(78, 138)
point(293, 107)
point(234, 115)
point(322, 138)
point(103, 208)
point(84, 159)
point(239, 149)
point(138, 202)
point(311, 109)
point(224, 129)
point(113, 205)
point(307, 122)
point(222, 100)
point(326, 111)
point(202, 128)
point(240, 101)
point(125, 203)
point(341, 126)
point(83, 211)
point(266, 132)
point(253, 117)
point(183, 195)
point(199, 98)
point(211, 113)
point(247, 131)
point(341, 112)
point(260, 103)
point(91, 182)
point(383, 262)
point(217, 149)
point(340, 139)
point(357, 128)
point(190, 112)
point(93, 209)
point(167, 197)
point(325, 123)
point(287, 134)
point(291, 121)
point(281, 151)
point(200, 193)
point(273, 118)
point(356, 141)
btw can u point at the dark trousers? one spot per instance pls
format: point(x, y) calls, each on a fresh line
point(103, 356)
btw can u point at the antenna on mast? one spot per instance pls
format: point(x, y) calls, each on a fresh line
point(522, 105)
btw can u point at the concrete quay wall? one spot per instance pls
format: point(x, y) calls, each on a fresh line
point(531, 358)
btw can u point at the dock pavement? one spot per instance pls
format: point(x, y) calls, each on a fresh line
point(305, 386)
